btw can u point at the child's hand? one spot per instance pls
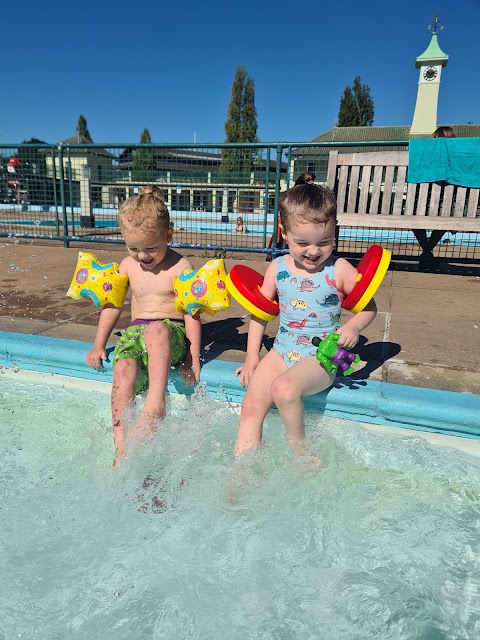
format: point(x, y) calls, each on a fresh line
point(246, 371)
point(95, 356)
point(190, 370)
point(349, 336)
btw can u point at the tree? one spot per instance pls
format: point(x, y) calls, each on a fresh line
point(233, 123)
point(143, 160)
point(356, 106)
point(34, 172)
point(240, 125)
point(33, 160)
point(82, 129)
point(248, 121)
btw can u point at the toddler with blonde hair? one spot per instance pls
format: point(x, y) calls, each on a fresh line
point(158, 336)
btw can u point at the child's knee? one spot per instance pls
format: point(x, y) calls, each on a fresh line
point(157, 330)
point(125, 374)
point(283, 391)
point(125, 369)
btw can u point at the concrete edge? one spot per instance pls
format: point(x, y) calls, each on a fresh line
point(379, 403)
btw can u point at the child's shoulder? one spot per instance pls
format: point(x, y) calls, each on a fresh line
point(343, 265)
point(177, 262)
point(125, 265)
point(280, 262)
point(345, 275)
point(275, 266)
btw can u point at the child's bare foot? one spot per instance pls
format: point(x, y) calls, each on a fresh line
point(149, 419)
point(306, 458)
point(309, 460)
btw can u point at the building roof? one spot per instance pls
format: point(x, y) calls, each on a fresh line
point(364, 134)
point(186, 158)
point(94, 151)
point(432, 54)
point(374, 134)
point(77, 139)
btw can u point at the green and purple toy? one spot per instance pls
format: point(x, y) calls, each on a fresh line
point(332, 356)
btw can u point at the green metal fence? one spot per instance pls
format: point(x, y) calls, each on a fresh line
point(73, 191)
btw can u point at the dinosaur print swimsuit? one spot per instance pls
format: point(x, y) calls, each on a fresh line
point(309, 306)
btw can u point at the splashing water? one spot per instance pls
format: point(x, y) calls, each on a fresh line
point(181, 542)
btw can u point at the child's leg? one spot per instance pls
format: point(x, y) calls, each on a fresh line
point(157, 341)
point(257, 402)
point(305, 378)
point(125, 374)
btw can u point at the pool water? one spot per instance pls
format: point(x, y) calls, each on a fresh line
point(208, 225)
point(181, 542)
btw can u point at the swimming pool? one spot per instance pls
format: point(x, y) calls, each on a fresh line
point(208, 225)
point(183, 543)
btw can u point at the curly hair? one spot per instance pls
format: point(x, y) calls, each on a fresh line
point(146, 211)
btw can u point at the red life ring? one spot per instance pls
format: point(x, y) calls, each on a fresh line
point(371, 271)
point(243, 284)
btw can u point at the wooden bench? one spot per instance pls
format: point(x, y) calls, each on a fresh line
point(372, 191)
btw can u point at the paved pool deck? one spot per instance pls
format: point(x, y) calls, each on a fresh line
point(426, 334)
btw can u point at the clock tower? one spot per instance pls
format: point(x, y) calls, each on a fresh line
point(430, 64)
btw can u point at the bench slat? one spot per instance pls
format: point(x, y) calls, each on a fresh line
point(353, 190)
point(408, 222)
point(434, 200)
point(342, 188)
point(460, 202)
point(376, 189)
point(387, 191)
point(411, 196)
point(372, 158)
point(364, 189)
point(422, 199)
point(399, 191)
point(473, 203)
point(447, 200)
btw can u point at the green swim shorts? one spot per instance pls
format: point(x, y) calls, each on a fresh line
point(131, 344)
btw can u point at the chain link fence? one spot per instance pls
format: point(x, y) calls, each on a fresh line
point(220, 197)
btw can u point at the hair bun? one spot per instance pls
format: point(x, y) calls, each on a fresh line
point(152, 190)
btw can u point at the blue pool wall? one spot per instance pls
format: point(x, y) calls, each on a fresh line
point(379, 403)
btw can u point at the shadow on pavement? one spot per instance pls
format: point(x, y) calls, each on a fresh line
point(438, 265)
point(375, 355)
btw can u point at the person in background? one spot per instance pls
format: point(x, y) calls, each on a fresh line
point(428, 244)
point(158, 336)
point(241, 227)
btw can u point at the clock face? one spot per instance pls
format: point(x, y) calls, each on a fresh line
point(430, 73)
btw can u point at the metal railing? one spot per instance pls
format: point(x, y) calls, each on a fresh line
point(71, 192)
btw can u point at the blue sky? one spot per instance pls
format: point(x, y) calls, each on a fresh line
point(169, 66)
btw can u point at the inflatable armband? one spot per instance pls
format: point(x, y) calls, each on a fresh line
point(100, 282)
point(371, 271)
point(244, 284)
point(202, 289)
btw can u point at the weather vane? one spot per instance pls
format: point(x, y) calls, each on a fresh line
point(434, 26)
